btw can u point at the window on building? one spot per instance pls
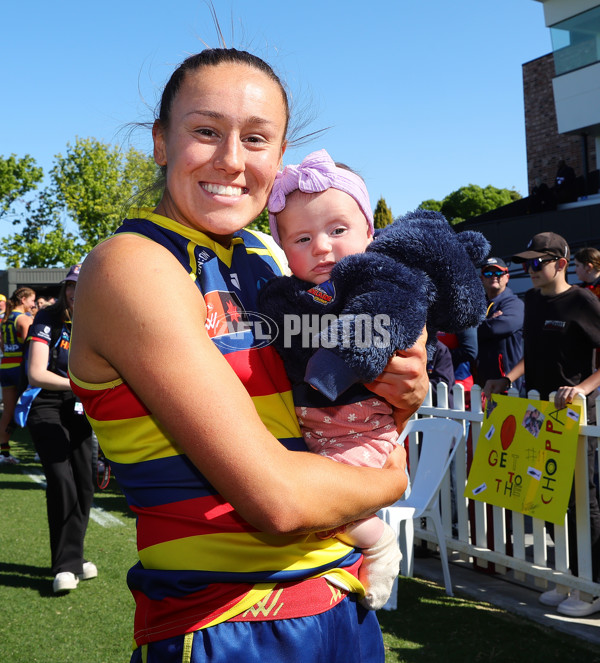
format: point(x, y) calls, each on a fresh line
point(576, 41)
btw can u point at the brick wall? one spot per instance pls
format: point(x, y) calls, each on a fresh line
point(545, 146)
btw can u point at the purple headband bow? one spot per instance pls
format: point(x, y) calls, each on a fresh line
point(316, 173)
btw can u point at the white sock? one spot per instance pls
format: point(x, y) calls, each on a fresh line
point(379, 569)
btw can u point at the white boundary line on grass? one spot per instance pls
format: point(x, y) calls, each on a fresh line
point(97, 514)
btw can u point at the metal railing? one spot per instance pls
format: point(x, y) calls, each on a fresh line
point(498, 540)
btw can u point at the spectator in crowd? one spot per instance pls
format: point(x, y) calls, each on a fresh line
point(560, 331)
point(441, 369)
point(565, 185)
point(463, 350)
point(542, 198)
point(2, 312)
point(15, 327)
point(42, 302)
point(500, 335)
point(587, 268)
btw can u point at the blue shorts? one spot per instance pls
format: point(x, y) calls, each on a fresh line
point(9, 377)
point(345, 634)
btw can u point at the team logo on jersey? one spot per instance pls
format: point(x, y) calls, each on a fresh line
point(45, 333)
point(65, 341)
point(202, 256)
point(224, 313)
point(227, 320)
point(323, 293)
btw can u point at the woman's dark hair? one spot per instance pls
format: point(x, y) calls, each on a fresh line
point(60, 308)
point(212, 57)
point(16, 298)
point(589, 255)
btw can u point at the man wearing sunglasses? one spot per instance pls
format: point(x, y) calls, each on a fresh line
point(560, 331)
point(500, 335)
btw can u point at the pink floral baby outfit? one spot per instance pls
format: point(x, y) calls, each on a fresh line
point(361, 433)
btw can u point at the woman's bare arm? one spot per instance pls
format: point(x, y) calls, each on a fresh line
point(22, 325)
point(37, 370)
point(190, 388)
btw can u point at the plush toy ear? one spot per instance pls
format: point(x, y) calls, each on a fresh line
point(475, 244)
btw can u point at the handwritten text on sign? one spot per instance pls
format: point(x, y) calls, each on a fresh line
point(525, 457)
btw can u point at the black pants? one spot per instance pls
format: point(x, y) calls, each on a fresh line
point(594, 517)
point(63, 440)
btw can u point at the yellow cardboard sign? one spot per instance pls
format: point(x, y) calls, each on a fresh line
point(525, 457)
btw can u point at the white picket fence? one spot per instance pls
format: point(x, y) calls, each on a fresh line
point(523, 551)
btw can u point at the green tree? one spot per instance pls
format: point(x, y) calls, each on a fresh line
point(470, 201)
point(95, 183)
point(17, 177)
point(91, 189)
point(382, 216)
point(43, 241)
point(434, 205)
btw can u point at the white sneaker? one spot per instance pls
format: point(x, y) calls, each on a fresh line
point(64, 582)
point(89, 571)
point(553, 597)
point(575, 607)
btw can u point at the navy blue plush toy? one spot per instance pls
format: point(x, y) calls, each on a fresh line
point(417, 271)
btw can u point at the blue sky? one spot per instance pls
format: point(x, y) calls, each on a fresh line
point(421, 97)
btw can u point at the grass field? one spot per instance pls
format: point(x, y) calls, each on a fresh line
point(94, 623)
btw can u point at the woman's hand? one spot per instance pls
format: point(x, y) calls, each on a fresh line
point(404, 382)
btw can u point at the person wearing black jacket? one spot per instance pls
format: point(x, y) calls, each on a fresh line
point(62, 437)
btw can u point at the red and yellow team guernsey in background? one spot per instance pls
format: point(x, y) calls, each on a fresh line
point(200, 562)
point(12, 344)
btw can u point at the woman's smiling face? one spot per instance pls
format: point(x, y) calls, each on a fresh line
point(222, 148)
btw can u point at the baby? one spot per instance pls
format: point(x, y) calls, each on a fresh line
point(320, 212)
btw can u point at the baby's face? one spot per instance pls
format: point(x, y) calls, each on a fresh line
point(319, 229)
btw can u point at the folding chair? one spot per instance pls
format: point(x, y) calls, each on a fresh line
point(440, 439)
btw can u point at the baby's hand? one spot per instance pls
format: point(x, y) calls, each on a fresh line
point(404, 382)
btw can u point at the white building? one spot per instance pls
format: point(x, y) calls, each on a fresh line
point(575, 30)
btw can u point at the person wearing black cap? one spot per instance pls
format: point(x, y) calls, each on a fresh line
point(561, 329)
point(62, 437)
point(500, 335)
